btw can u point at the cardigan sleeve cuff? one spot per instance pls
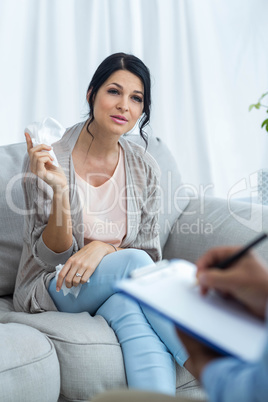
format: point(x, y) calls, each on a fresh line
point(49, 257)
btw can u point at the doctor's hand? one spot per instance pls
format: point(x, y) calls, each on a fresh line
point(41, 164)
point(79, 268)
point(246, 280)
point(200, 355)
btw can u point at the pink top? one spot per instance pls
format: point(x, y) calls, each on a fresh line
point(105, 207)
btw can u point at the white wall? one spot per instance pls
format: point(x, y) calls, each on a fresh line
point(208, 61)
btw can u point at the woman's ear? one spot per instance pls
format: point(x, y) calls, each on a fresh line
point(88, 94)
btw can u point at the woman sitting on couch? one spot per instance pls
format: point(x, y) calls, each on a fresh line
point(97, 213)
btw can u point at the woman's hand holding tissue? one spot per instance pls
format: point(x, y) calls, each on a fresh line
point(79, 268)
point(41, 164)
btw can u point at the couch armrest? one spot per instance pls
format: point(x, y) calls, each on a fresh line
point(29, 369)
point(209, 222)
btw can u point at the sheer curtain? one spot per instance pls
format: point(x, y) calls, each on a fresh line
point(208, 61)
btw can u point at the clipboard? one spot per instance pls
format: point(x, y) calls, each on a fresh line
point(224, 325)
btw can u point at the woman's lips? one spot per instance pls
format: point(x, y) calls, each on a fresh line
point(119, 119)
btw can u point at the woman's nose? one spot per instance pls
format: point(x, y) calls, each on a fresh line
point(122, 105)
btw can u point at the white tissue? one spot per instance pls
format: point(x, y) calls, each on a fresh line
point(46, 132)
point(73, 290)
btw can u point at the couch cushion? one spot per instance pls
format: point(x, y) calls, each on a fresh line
point(11, 212)
point(88, 351)
point(89, 354)
point(29, 369)
point(211, 222)
point(174, 199)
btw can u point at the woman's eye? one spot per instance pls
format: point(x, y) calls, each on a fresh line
point(113, 91)
point(137, 99)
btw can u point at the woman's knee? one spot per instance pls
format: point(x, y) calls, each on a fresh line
point(118, 301)
point(118, 307)
point(134, 259)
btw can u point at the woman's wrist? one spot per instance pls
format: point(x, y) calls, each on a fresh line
point(114, 248)
point(60, 189)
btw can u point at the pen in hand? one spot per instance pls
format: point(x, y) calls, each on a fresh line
point(233, 258)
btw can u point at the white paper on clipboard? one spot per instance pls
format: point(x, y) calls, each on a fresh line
point(225, 325)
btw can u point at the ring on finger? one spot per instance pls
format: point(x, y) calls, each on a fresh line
point(79, 275)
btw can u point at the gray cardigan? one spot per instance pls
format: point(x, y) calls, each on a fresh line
point(38, 262)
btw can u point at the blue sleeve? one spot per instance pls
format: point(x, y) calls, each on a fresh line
point(231, 380)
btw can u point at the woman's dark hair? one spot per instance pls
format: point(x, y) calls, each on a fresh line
point(128, 62)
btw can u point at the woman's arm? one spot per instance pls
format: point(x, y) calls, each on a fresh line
point(54, 238)
point(84, 262)
point(57, 234)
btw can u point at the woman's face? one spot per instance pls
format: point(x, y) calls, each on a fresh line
point(118, 103)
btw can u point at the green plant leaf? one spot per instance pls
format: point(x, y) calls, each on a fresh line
point(265, 123)
point(256, 105)
point(263, 95)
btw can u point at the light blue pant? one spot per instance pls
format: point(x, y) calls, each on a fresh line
point(149, 363)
